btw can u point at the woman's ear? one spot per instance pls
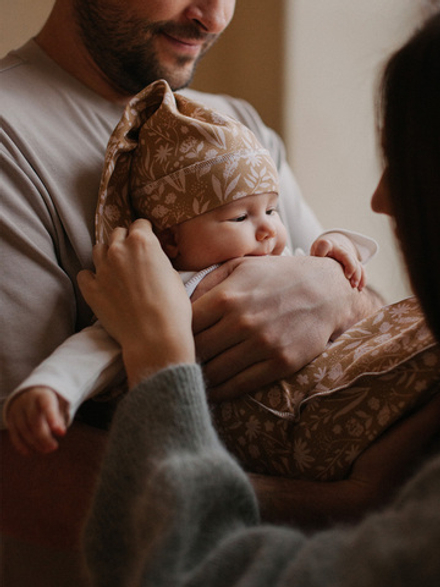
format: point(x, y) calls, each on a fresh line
point(168, 241)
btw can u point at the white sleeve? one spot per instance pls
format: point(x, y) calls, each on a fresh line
point(191, 279)
point(81, 367)
point(367, 247)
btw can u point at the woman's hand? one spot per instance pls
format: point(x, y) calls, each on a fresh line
point(140, 300)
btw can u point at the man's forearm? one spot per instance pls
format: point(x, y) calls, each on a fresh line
point(310, 505)
point(373, 480)
point(362, 305)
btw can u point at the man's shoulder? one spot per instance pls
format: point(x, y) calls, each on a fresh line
point(10, 61)
point(13, 64)
point(20, 74)
point(234, 107)
point(13, 68)
point(242, 111)
point(215, 101)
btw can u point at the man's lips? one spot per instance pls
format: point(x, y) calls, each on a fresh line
point(182, 45)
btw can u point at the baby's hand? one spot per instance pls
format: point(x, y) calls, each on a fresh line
point(36, 417)
point(339, 247)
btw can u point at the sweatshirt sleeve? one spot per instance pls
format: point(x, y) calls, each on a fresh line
point(173, 509)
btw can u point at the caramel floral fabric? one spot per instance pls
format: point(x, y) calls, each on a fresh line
point(170, 159)
point(315, 424)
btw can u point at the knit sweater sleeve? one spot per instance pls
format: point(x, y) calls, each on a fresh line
point(173, 509)
point(165, 480)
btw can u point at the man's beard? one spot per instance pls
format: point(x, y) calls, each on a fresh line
point(123, 48)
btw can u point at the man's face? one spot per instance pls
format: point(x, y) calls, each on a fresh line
point(135, 42)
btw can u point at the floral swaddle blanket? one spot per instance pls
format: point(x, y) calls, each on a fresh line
point(314, 424)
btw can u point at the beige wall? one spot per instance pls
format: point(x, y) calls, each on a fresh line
point(248, 61)
point(20, 20)
point(319, 58)
point(335, 50)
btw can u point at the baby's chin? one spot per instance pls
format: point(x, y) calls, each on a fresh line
point(267, 251)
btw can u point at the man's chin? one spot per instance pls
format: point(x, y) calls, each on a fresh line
point(179, 73)
point(181, 80)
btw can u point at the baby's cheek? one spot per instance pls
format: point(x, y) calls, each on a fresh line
point(281, 241)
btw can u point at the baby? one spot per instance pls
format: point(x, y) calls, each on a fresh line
point(211, 192)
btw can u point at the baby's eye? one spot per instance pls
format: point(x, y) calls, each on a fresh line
point(241, 218)
point(271, 211)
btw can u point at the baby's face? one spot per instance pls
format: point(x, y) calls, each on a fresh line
point(248, 226)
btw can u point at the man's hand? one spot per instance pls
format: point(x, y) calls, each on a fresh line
point(140, 300)
point(270, 317)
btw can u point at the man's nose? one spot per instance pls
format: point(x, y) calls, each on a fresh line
point(212, 15)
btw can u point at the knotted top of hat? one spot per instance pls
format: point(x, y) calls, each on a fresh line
point(170, 159)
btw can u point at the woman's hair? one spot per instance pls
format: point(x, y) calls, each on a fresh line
point(410, 133)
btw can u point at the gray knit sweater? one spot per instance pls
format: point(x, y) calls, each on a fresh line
point(173, 509)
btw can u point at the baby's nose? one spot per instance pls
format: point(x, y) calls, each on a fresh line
point(265, 230)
